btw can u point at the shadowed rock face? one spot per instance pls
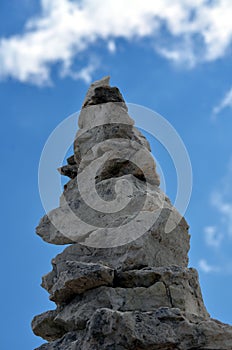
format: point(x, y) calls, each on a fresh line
point(138, 292)
point(104, 94)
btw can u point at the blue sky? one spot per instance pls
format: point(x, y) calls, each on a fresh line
point(173, 57)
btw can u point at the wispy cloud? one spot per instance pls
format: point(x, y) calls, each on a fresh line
point(219, 234)
point(195, 31)
point(221, 200)
point(213, 237)
point(224, 103)
point(84, 73)
point(224, 208)
point(206, 267)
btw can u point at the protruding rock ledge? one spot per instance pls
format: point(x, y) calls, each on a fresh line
point(69, 279)
point(44, 324)
point(68, 170)
point(142, 290)
point(76, 278)
point(163, 328)
point(154, 248)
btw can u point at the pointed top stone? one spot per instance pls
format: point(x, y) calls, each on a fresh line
point(105, 81)
point(101, 92)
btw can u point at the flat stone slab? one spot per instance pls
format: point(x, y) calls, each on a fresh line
point(141, 224)
point(182, 285)
point(75, 278)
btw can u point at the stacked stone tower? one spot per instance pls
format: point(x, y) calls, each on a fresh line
point(122, 282)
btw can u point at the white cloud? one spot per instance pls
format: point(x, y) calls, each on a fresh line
point(219, 234)
point(84, 73)
point(196, 31)
point(206, 267)
point(181, 53)
point(225, 102)
point(221, 200)
point(111, 46)
point(213, 237)
point(224, 207)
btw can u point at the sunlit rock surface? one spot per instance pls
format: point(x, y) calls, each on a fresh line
point(123, 282)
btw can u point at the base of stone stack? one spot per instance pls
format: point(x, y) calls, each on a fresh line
point(164, 328)
point(87, 288)
point(101, 308)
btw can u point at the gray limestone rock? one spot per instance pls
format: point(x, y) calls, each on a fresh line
point(110, 113)
point(75, 278)
point(105, 81)
point(123, 282)
point(154, 248)
point(182, 285)
point(76, 314)
point(142, 290)
point(137, 255)
point(163, 329)
point(45, 325)
point(100, 92)
point(68, 170)
point(70, 341)
point(71, 160)
point(104, 94)
point(98, 154)
point(82, 223)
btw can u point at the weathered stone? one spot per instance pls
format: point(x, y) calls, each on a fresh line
point(109, 129)
point(100, 92)
point(149, 250)
point(104, 94)
point(122, 149)
point(181, 283)
point(68, 170)
point(83, 224)
point(75, 314)
point(105, 81)
point(49, 232)
point(113, 114)
point(70, 341)
point(172, 287)
point(182, 286)
point(164, 329)
point(44, 325)
point(71, 160)
point(76, 278)
point(123, 283)
point(137, 255)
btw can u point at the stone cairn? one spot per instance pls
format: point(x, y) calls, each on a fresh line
point(123, 280)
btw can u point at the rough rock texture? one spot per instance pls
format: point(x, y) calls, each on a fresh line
point(76, 278)
point(123, 282)
point(163, 328)
point(153, 243)
point(100, 92)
